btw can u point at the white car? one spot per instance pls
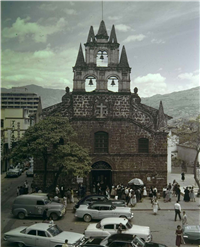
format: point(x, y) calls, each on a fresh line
point(43, 234)
point(101, 210)
point(109, 226)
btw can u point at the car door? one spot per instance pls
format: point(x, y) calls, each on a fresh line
point(109, 228)
point(104, 212)
point(30, 238)
point(39, 208)
point(42, 239)
point(93, 210)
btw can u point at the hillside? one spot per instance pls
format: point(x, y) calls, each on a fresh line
point(182, 104)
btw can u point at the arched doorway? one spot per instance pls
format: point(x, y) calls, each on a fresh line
point(101, 173)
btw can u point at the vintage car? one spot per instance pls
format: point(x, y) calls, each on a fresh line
point(101, 210)
point(12, 173)
point(29, 172)
point(109, 226)
point(127, 240)
point(87, 200)
point(191, 233)
point(43, 234)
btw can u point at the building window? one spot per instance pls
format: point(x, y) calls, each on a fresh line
point(101, 142)
point(143, 145)
point(2, 123)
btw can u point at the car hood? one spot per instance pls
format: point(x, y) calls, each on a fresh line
point(72, 237)
point(136, 229)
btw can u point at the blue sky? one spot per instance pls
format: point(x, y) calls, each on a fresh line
point(40, 41)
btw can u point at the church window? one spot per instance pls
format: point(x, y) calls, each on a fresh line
point(101, 142)
point(143, 145)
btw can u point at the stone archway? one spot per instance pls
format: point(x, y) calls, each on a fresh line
point(101, 172)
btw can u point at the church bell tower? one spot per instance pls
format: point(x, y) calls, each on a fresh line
point(103, 47)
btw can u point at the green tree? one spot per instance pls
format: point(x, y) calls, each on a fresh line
point(51, 142)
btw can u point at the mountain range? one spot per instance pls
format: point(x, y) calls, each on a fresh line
point(179, 105)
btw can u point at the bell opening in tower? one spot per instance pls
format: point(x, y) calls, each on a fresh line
point(102, 59)
point(90, 84)
point(113, 84)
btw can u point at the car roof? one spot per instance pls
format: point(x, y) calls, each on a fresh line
point(34, 195)
point(102, 203)
point(127, 237)
point(41, 226)
point(113, 220)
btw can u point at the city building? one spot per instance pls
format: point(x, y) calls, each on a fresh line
point(125, 138)
point(19, 110)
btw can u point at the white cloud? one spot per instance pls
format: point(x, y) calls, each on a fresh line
point(160, 69)
point(192, 78)
point(70, 11)
point(47, 6)
point(122, 27)
point(157, 41)
point(131, 38)
point(150, 84)
point(114, 18)
point(22, 29)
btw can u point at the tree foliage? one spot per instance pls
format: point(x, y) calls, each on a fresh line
point(52, 142)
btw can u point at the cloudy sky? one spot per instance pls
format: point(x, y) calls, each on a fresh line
point(40, 41)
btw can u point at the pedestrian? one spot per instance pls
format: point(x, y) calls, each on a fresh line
point(68, 194)
point(177, 208)
point(155, 206)
point(183, 176)
point(119, 229)
point(144, 192)
point(72, 195)
point(164, 191)
point(62, 191)
point(51, 221)
point(18, 191)
point(186, 195)
point(57, 190)
point(44, 215)
point(184, 219)
point(133, 198)
point(167, 195)
point(192, 195)
point(179, 236)
point(66, 243)
point(178, 192)
point(107, 192)
point(65, 202)
point(113, 192)
point(151, 194)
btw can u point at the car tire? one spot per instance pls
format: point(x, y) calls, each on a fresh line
point(54, 216)
point(20, 244)
point(21, 215)
point(87, 218)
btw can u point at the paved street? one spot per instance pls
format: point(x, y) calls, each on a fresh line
point(162, 225)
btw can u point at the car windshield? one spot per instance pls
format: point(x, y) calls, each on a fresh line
point(23, 231)
point(138, 242)
point(98, 225)
point(47, 201)
point(54, 230)
point(129, 225)
point(113, 207)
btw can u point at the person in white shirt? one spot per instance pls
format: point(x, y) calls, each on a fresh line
point(177, 208)
point(184, 219)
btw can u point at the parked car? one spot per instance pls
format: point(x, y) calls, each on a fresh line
point(101, 210)
point(43, 234)
point(12, 173)
point(29, 172)
point(33, 205)
point(87, 200)
point(127, 240)
point(191, 233)
point(109, 226)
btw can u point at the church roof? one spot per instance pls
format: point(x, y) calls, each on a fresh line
point(91, 36)
point(123, 59)
point(80, 61)
point(113, 37)
point(102, 33)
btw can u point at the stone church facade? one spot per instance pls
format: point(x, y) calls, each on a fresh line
point(125, 138)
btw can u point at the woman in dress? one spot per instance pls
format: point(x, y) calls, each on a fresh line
point(144, 192)
point(192, 195)
point(155, 206)
point(179, 237)
point(167, 195)
point(186, 195)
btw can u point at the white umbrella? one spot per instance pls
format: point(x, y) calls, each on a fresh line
point(136, 181)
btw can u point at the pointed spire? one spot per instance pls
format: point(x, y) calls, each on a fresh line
point(123, 59)
point(102, 33)
point(161, 119)
point(91, 36)
point(113, 37)
point(80, 61)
